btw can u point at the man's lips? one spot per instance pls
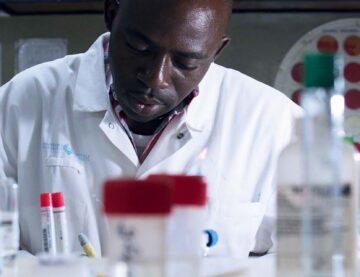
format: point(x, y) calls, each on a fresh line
point(140, 104)
point(145, 100)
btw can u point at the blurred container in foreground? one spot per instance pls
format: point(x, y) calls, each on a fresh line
point(138, 212)
point(316, 201)
point(186, 224)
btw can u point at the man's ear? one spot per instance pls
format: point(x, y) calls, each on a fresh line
point(110, 10)
point(224, 42)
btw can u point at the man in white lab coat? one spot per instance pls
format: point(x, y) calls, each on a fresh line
point(144, 99)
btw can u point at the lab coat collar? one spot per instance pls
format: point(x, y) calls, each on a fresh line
point(201, 111)
point(90, 88)
point(195, 121)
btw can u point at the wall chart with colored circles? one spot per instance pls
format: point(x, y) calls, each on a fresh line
point(342, 36)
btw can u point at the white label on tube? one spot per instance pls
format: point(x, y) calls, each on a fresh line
point(61, 232)
point(48, 230)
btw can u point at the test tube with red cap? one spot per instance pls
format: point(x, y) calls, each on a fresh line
point(47, 223)
point(186, 224)
point(61, 227)
point(138, 213)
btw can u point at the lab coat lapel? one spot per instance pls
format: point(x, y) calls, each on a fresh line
point(173, 138)
point(116, 134)
point(191, 126)
point(91, 95)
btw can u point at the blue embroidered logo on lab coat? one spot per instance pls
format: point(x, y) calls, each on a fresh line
point(58, 149)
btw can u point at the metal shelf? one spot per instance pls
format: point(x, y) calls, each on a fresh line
point(296, 5)
point(22, 7)
point(25, 7)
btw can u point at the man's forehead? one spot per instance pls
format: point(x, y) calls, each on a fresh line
point(177, 2)
point(162, 6)
point(184, 25)
point(197, 13)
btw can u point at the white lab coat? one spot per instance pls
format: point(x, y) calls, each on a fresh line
point(58, 133)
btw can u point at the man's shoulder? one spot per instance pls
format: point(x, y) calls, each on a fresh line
point(36, 89)
point(253, 106)
point(233, 80)
point(238, 88)
point(233, 97)
point(42, 77)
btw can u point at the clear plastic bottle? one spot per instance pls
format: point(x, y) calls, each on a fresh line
point(137, 212)
point(316, 201)
point(9, 220)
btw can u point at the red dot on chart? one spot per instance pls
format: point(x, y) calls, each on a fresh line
point(352, 99)
point(352, 45)
point(327, 44)
point(296, 72)
point(352, 72)
point(357, 145)
point(296, 96)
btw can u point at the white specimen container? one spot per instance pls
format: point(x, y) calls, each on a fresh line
point(138, 213)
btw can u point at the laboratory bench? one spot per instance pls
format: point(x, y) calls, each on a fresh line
point(29, 266)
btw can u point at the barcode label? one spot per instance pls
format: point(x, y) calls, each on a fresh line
point(45, 240)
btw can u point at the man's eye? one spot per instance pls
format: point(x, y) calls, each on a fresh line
point(185, 65)
point(137, 47)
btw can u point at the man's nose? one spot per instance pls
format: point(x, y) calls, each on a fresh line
point(156, 72)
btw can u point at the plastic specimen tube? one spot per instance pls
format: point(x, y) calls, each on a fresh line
point(47, 223)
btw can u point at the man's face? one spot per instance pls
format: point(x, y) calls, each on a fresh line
point(159, 52)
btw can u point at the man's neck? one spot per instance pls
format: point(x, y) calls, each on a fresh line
point(144, 128)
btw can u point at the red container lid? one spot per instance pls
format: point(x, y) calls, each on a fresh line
point(45, 200)
point(130, 196)
point(57, 199)
point(187, 190)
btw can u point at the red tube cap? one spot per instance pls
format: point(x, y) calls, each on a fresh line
point(57, 199)
point(187, 190)
point(130, 196)
point(45, 200)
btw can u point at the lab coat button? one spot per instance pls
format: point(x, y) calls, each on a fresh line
point(111, 125)
point(180, 135)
